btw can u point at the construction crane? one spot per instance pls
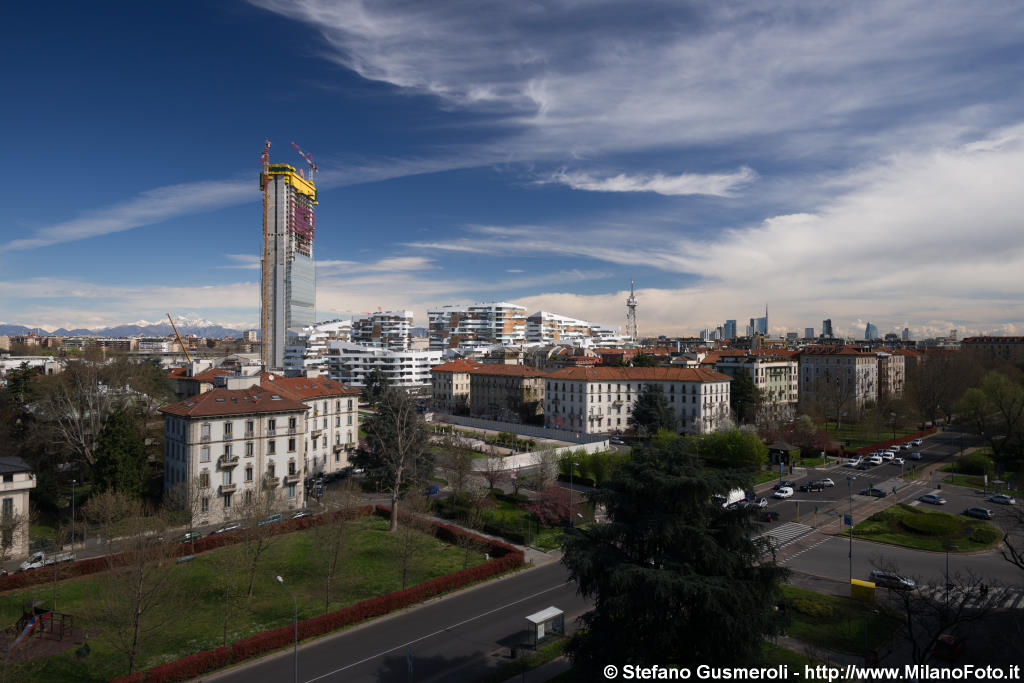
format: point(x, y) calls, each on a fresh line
point(180, 343)
point(313, 168)
point(265, 156)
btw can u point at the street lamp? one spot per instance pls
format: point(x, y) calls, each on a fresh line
point(849, 486)
point(948, 584)
point(295, 622)
point(73, 482)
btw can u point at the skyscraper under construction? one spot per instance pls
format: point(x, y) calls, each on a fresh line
point(288, 293)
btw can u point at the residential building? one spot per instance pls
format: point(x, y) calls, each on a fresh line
point(892, 374)
point(307, 351)
point(451, 327)
point(196, 378)
point(18, 480)
point(1010, 349)
point(449, 384)
point(332, 419)
point(350, 364)
point(387, 329)
point(776, 375)
point(288, 291)
point(250, 336)
point(507, 393)
point(545, 328)
point(838, 379)
point(226, 445)
point(600, 400)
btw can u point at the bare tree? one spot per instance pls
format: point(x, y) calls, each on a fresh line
point(257, 536)
point(183, 504)
point(458, 462)
point(412, 539)
point(105, 509)
point(479, 503)
point(138, 599)
point(835, 393)
point(332, 534)
point(493, 472)
point(546, 461)
point(229, 564)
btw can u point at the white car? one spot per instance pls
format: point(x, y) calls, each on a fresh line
point(898, 461)
point(826, 482)
point(853, 462)
point(917, 442)
point(875, 460)
point(888, 455)
point(784, 492)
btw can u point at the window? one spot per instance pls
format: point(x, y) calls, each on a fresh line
point(291, 467)
point(226, 477)
point(227, 451)
point(291, 423)
point(325, 423)
point(349, 420)
point(204, 480)
point(227, 430)
point(248, 473)
point(270, 470)
point(248, 427)
point(323, 442)
point(337, 421)
point(204, 432)
point(271, 425)
point(227, 501)
point(337, 405)
point(204, 454)
point(350, 404)
point(248, 448)
point(8, 514)
point(337, 457)
point(204, 504)
point(291, 490)
point(291, 445)
point(271, 447)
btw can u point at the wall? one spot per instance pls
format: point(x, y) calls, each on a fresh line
point(523, 430)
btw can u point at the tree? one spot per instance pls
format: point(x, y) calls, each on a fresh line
point(332, 534)
point(546, 462)
point(676, 578)
point(120, 456)
point(936, 383)
point(397, 446)
point(996, 410)
point(732, 448)
point(457, 462)
point(183, 503)
point(142, 593)
point(256, 536)
point(552, 506)
point(493, 473)
point(652, 412)
point(835, 393)
point(105, 510)
point(412, 538)
point(744, 398)
point(375, 386)
point(644, 360)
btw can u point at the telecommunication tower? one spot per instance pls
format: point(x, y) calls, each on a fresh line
point(631, 313)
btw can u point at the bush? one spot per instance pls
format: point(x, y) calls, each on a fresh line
point(814, 608)
point(972, 463)
point(985, 533)
point(930, 524)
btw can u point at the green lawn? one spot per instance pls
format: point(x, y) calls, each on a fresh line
point(763, 476)
point(835, 623)
point(774, 655)
point(527, 660)
point(370, 569)
point(858, 435)
point(915, 527)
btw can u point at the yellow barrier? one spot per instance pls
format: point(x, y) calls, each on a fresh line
point(862, 590)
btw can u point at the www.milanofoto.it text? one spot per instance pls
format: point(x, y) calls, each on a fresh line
point(821, 672)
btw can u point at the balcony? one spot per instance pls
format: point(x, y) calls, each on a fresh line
point(271, 481)
point(226, 488)
point(204, 437)
point(226, 461)
point(316, 431)
point(271, 431)
point(291, 430)
point(228, 436)
point(292, 478)
point(249, 434)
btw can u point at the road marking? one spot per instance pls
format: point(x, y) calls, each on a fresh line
point(785, 534)
point(439, 631)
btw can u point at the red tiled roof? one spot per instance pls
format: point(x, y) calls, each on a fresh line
point(219, 401)
point(458, 365)
point(204, 376)
point(302, 388)
point(500, 369)
point(994, 340)
point(605, 374)
point(833, 351)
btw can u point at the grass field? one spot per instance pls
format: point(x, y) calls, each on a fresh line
point(194, 622)
point(857, 435)
point(896, 525)
point(835, 623)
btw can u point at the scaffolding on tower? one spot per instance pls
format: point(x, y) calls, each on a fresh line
point(264, 277)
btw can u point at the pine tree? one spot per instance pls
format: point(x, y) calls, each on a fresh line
point(120, 456)
point(652, 412)
point(676, 578)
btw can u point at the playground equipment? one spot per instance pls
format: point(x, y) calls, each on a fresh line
point(39, 621)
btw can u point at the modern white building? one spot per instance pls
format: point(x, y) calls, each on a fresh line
point(480, 323)
point(599, 400)
point(18, 480)
point(544, 327)
point(388, 329)
point(351, 363)
point(233, 443)
point(308, 351)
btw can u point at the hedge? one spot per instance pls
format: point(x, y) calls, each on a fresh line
point(931, 523)
point(506, 557)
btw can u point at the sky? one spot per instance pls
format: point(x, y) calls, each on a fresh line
point(852, 161)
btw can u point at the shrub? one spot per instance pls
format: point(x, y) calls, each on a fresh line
point(814, 608)
point(972, 463)
point(985, 533)
point(930, 524)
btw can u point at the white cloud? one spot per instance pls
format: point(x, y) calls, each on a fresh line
point(715, 184)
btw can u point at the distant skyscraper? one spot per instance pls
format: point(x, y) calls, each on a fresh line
point(729, 329)
point(826, 328)
point(906, 334)
point(808, 333)
point(759, 325)
point(288, 294)
point(870, 331)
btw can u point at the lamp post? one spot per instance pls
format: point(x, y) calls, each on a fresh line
point(849, 486)
point(73, 482)
point(295, 622)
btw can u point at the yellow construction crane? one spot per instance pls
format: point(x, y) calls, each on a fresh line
point(180, 343)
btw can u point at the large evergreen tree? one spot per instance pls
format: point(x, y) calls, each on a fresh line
point(732, 448)
point(120, 456)
point(676, 578)
point(744, 398)
point(652, 412)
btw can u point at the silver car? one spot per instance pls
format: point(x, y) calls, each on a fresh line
point(1002, 499)
point(932, 499)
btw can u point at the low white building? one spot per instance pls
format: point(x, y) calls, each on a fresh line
point(18, 480)
point(232, 443)
point(599, 400)
point(351, 363)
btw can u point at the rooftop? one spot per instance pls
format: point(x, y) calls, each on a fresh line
point(217, 402)
point(599, 374)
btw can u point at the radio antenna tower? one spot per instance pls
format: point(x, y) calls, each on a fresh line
point(631, 313)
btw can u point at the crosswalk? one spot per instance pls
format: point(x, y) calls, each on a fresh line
point(996, 598)
point(784, 534)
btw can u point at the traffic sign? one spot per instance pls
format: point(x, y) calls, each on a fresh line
point(848, 520)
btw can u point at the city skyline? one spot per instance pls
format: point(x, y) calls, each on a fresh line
point(852, 163)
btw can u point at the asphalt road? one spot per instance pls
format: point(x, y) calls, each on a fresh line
point(460, 637)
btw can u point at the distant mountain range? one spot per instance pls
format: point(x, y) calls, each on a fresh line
point(140, 328)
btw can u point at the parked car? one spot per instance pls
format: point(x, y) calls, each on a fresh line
point(915, 456)
point(617, 441)
point(272, 519)
point(979, 513)
point(760, 502)
point(891, 580)
point(224, 528)
point(301, 513)
point(898, 461)
point(873, 492)
point(42, 559)
point(431, 490)
point(875, 460)
point(826, 482)
point(784, 485)
point(917, 443)
point(905, 446)
point(888, 455)
point(811, 486)
point(853, 462)
point(189, 537)
point(784, 492)
point(932, 499)
point(1002, 499)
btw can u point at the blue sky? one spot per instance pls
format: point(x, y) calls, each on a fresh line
point(858, 161)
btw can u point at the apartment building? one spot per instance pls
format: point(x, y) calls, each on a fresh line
point(600, 400)
point(17, 479)
point(450, 386)
point(308, 351)
point(350, 364)
point(387, 329)
point(775, 374)
point(195, 378)
point(233, 443)
point(452, 327)
point(838, 378)
point(508, 393)
point(544, 327)
point(332, 419)
point(892, 374)
point(1010, 349)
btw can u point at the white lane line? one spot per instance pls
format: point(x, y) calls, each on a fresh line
point(431, 635)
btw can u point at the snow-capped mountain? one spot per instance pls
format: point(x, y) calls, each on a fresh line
point(140, 328)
